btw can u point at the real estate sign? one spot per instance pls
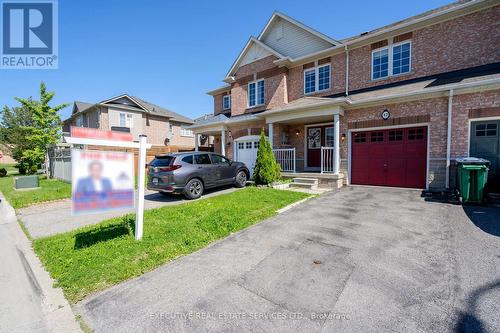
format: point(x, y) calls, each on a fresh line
point(102, 181)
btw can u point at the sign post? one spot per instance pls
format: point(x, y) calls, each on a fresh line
point(85, 136)
point(139, 214)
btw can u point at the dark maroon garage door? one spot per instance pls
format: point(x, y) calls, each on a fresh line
point(394, 157)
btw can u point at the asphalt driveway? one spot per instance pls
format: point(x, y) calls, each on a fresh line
point(358, 260)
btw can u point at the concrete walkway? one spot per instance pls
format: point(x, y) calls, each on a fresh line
point(55, 217)
point(28, 302)
point(358, 260)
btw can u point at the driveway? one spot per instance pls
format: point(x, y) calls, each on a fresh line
point(358, 260)
point(51, 218)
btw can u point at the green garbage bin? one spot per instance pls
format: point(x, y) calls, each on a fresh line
point(472, 175)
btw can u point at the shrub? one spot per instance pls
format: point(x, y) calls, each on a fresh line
point(3, 172)
point(266, 169)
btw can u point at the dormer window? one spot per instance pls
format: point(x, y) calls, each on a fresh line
point(226, 102)
point(317, 79)
point(256, 93)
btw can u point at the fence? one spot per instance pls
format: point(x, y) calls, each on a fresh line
point(60, 163)
point(286, 158)
point(327, 160)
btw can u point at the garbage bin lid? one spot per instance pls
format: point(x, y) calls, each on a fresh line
point(472, 160)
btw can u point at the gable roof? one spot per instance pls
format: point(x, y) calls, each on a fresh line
point(251, 41)
point(138, 105)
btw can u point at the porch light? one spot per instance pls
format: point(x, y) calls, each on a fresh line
point(229, 134)
point(342, 138)
point(297, 132)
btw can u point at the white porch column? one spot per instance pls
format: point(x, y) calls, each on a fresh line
point(336, 143)
point(196, 141)
point(270, 126)
point(223, 142)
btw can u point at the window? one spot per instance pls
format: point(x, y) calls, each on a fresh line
point(218, 159)
point(248, 145)
point(226, 102)
point(202, 159)
point(79, 121)
point(380, 64)
point(360, 137)
point(256, 144)
point(256, 93)
point(188, 159)
point(161, 161)
point(416, 134)
point(401, 59)
point(241, 145)
point(377, 137)
point(329, 139)
point(486, 129)
point(186, 132)
point(392, 60)
point(126, 120)
point(317, 79)
point(396, 135)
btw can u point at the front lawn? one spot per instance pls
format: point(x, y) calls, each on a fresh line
point(99, 256)
point(50, 189)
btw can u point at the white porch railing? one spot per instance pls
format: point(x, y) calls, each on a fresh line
point(327, 159)
point(286, 158)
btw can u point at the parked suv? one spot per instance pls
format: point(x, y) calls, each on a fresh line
point(191, 173)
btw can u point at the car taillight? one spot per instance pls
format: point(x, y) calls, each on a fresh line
point(169, 168)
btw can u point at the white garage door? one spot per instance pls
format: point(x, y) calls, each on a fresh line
point(246, 151)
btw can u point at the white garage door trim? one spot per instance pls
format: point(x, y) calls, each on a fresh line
point(244, 139)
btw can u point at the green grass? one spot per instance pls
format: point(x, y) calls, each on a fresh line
point(11, 170)
point(99, 256)
point(50, 189)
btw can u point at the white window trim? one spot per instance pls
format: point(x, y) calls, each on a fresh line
point(316, 78)
point(127, 116)
point(229, 104)
point(256, 94)
point(390, 49)
point(186, 133)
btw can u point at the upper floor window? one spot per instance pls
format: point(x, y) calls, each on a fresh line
point(317, 79)
point(391, 60)
point(126, 120)
point(186, 132)
point(256, 93)
point(79, 121)
point(226, 102)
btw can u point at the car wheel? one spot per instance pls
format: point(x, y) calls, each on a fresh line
point(193, 189)
point(241, 179)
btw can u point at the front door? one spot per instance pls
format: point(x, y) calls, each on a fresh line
point(485, 143)
point(317, 137)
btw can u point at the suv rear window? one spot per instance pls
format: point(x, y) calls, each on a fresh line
point(188, 159)
point(161, 161)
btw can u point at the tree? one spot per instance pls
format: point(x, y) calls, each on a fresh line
point(266, 169)
point(44, 129)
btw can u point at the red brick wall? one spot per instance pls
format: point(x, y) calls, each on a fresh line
point(467, 41)
point(460, 118)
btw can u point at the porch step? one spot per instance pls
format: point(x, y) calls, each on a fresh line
point(306, 183)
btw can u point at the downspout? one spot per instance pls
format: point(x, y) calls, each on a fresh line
point(346, 70)
point(448, 138)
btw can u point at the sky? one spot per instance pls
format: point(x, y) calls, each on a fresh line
point(171, 53)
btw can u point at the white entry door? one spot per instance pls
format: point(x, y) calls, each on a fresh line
point(246, 152)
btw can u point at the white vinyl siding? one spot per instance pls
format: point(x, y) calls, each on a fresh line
point(293, 41)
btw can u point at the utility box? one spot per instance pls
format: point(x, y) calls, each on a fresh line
point(26, 182)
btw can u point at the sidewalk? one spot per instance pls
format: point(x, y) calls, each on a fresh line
point(28, 302)
point(52, 218)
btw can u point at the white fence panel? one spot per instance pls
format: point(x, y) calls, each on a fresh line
point(285, 157)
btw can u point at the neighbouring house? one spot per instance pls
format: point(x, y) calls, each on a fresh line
point(163, 127)
point(390, 107)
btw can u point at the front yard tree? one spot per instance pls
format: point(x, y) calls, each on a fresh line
point(45, 128)
point(13, 130)
point(266, 169)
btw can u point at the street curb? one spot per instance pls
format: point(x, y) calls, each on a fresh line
point(59, 316)
point(296, 203)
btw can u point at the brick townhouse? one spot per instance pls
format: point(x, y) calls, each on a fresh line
point(391, 107)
